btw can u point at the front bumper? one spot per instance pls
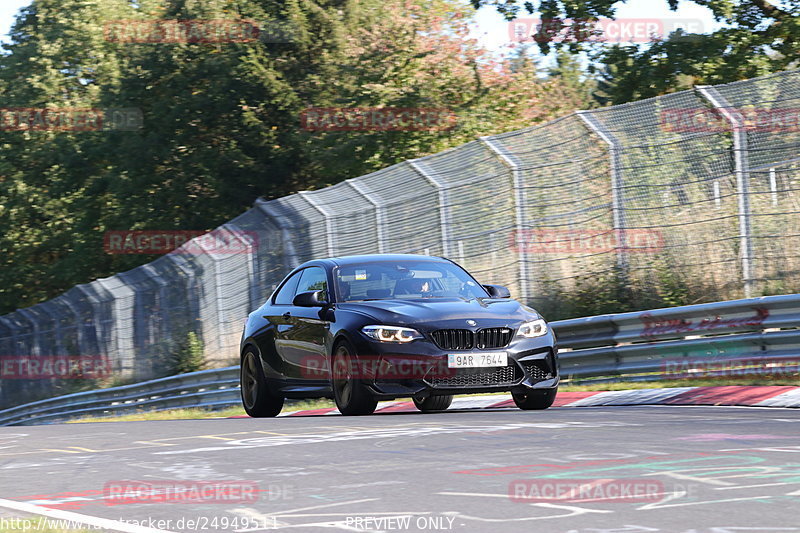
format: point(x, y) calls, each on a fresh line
point(420, 369)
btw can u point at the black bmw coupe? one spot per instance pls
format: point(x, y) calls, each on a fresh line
point(360, 329)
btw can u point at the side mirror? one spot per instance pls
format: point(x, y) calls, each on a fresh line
point(310, 299)
point(497, 291)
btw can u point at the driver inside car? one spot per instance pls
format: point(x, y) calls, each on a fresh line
point(412, 286)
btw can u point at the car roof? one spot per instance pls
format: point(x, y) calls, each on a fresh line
point(357, 259)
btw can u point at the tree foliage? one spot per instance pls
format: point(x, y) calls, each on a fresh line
point(221, 120)
point(757, 37)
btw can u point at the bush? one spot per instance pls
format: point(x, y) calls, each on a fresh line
point(189, 355)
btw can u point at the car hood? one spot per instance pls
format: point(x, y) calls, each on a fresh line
point(444, 312)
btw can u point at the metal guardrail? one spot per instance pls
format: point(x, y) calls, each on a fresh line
point(760, 335)
point(216, 388)
point(666, 342)
point(728, 212)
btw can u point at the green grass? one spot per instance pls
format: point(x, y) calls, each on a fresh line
point(194, 413)
point(694, 382)
point(198, 413)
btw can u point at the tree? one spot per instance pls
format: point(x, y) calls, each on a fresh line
point(758, 37)
point(221, 120)
point(569, 72)
point(51, 181)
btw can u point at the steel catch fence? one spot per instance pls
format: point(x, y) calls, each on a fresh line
point(693, 185)
point(741, 338)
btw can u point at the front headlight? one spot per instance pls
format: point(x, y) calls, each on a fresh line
point(534, 328)
point(391, 333)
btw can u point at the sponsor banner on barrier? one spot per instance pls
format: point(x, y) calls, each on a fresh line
point(572, 241)
point(55, 367)
point(655, 326)
point(709, 347)
point(601, 30)
point(377, 119)
point(191, 242)
point(73, 119)
point(543, 490)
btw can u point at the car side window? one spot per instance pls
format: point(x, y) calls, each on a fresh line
point(313, 279)
point(286, 293)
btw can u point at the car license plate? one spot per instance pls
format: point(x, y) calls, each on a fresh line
point(477, 360)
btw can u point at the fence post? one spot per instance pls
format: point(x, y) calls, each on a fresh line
point(193, 323)
point(519, 210)
point(444, 206)
point(773, 187)
point(289, 253)
point(379, 215)
point(221, 318)
point(123, 345)
point(94, 324)
point(35, 338)
point(163, 320)
point(79, 333)
point(617, 196)
point(742, 169)
point(6, 349)
point(328, 222)
point(11, 341)
point(58, 349)
point(251, 258)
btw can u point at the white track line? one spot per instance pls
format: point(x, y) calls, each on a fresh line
point(77, 518)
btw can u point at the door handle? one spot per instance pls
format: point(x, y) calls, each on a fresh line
point(287, 314)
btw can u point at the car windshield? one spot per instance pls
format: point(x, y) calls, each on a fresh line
point(384, 280)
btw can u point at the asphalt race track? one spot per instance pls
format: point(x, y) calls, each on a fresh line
point(637, 469)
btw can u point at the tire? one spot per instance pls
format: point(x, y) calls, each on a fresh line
point(432, 404)
point(535, 400)
point(257, 399)
point(351, 396)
